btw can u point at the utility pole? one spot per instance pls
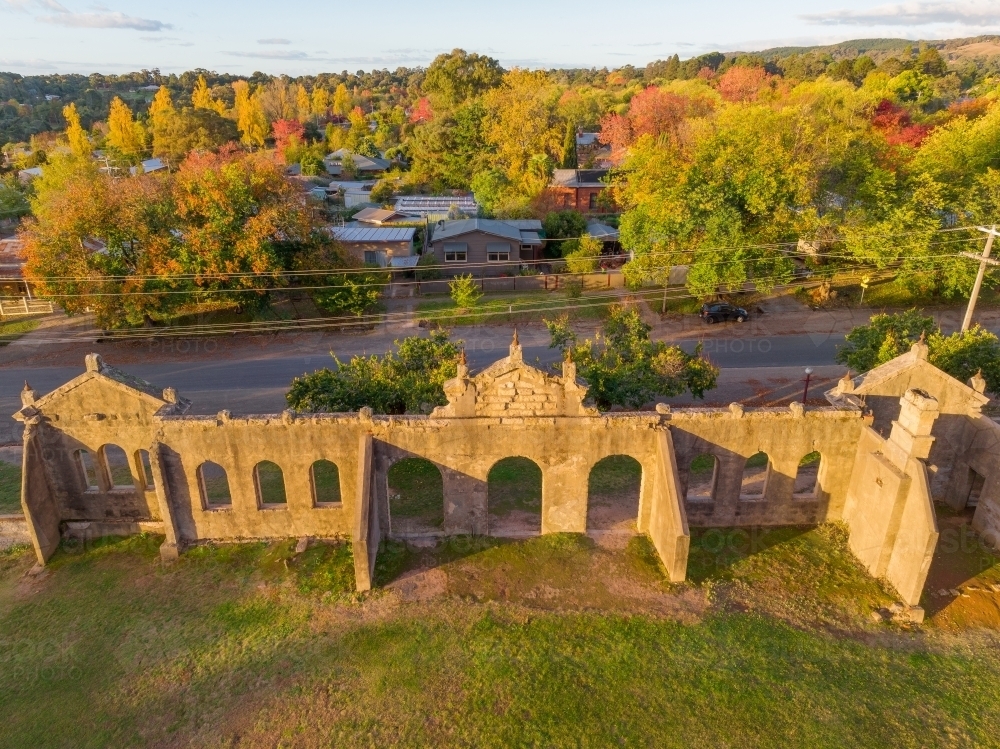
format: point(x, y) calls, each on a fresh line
point(984, 260)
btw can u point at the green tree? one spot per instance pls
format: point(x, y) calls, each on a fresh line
point(406, 381)
point(582, 254)
point(884, 338)
point(454, 78)
point(351, 293)
point(960, 354)
point(628, 369)
point(564, 225)
point(178, 133)
point(464, 291)
point(569, 147)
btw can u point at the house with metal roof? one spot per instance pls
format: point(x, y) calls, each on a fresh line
point(375, 245)
point(485, 246)
point(366, 165)
point(424, 206)
point(380, 216)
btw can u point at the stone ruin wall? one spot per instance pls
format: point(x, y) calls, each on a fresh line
point(556, 429)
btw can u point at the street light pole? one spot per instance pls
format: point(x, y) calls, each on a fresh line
point(805, 392)
point(984, 260)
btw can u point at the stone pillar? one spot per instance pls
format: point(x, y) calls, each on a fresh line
point(37, 500)
point(170, 548)
point(365, 531)
point(911, 433)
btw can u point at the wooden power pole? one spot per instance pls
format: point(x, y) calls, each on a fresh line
point(984, 260)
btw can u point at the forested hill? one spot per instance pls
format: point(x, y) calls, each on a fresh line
point(28, 106)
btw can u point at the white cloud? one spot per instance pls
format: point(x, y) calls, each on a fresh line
point(60, 15)
point(274, 41)
point(983, 13)
point(113, 20)
point(272, 55)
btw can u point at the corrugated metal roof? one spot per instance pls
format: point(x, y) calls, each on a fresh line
point(530, 237)
point(372, 234)
point(421, 205)
point(485, 225)
point(407, 261)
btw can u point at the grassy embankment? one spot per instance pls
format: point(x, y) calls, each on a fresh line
point(554, 641)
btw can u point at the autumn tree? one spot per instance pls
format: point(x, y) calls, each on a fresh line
point(201, 97)
point(250, 117)
point(79, 143)
point(286, 132)
point(652, 112)
point(124, 133)
point(178, 133)
point(342, 103)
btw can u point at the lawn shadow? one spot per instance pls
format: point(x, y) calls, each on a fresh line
point(715, 551)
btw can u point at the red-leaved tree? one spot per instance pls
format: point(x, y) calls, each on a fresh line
point(895, 124)
point(651, 112)
point(741, 83)
point(283, 131)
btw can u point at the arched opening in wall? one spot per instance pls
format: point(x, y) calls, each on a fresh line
point(807, 476)
point(117, 466)
point(416, 497)
point(270, 483)
point(325, 479)
point(514, 498)
point(214, 486)
point(145, 469)
point(755, 474)
point(88, 471)
point(702, 475)
point(613, 494)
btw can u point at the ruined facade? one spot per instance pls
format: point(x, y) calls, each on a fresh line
point(119, 455)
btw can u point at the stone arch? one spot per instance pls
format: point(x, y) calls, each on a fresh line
point(756, 472)
point(88, 470)
point(214, 486)
point(324, 478)
point(117, 467)
point(703, 476)
point(514, 497)
point(416, 497)
point(269, 481)
point(806, 483)
point(613, 490)
point(144, 468)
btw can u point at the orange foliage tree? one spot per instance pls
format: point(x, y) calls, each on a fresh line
point(223, 227)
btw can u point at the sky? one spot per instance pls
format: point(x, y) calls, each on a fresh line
point(310, 36)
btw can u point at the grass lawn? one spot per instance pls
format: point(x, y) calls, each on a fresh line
point(554, 641)
point(11, 330)
point(416, 495)
point(10, 488)
point(515, 308)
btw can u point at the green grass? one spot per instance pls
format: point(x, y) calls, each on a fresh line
point(515, 484)
point(520, 308)
point(242, 645)
point(326, 481)
point(416, 491)
point(11, 330)
point(615, 474)
point(271, 483)
point(10, 488)
point(703, 464)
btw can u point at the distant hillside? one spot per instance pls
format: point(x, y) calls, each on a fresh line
point(976, 47)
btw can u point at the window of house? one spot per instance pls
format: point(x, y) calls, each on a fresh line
point(593, 201)
point(497, 252)
point(456, 252)
point(371, 257)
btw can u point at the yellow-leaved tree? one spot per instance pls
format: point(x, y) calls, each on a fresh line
point(302, 103)
point(341, 101)
point(124, 133)
point(250, 117)
point(79, 143)
point(201, 97)
point(161, 106)
point(320, 101)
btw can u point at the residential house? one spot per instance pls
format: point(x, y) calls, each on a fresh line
point(380, 216)
point(365, 165)
point(26, 175)
point(12, 267)
point(425, 206)
point(149, 165)
point(485, 246)
point(608, 236)
point(578, 189)
point(375, 245)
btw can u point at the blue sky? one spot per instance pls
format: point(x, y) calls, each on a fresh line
point(308, 36)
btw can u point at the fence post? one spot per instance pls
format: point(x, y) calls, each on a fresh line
point(1, 308)
point(25, 300)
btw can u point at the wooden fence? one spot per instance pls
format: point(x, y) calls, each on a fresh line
point(19, 307)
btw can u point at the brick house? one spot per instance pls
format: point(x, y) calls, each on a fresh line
point(577, 189)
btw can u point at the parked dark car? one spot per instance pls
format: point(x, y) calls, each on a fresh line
point(718, 311)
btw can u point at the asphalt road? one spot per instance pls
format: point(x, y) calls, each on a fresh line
point(259, 385)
